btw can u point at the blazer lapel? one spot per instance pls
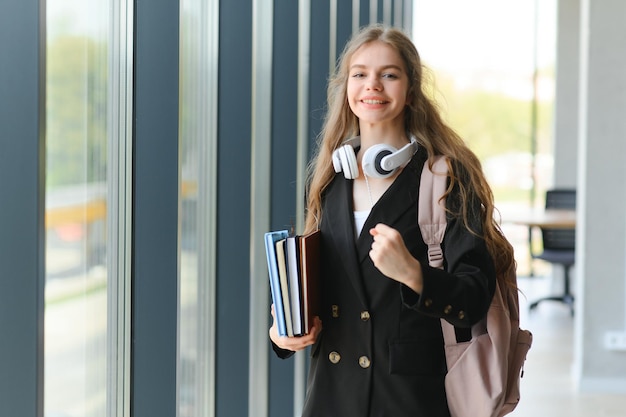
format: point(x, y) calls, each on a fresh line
point(400, 197)
point(338, 212)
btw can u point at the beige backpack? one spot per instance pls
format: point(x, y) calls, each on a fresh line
point(483, 378)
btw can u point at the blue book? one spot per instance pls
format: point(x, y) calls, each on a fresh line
point(272, 265)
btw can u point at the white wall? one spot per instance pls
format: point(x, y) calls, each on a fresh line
point(601, 179)
point(567, 93)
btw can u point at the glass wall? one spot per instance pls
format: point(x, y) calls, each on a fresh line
point(84, 136)
point(198, 141)
point(497, 92)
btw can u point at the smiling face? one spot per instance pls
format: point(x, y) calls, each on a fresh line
point(377, 85)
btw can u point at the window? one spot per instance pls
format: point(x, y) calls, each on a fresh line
point(86, 208)
point(198, 142)
point(497, 92)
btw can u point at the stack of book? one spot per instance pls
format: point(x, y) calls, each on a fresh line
point(293, 264)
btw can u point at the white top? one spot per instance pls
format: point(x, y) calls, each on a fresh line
point(359, 220)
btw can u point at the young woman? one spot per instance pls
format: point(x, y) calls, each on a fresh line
point(377, 349)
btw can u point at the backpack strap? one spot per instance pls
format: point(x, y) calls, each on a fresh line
point(431, 213)
point(431, 218)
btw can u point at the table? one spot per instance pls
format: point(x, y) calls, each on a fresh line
point(548, 219)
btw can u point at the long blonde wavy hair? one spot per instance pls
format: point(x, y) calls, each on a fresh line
point(422, 121)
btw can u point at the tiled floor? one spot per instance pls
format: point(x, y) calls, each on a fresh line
point(548, 388)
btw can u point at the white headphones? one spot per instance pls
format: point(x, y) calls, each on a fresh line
point(379, 161)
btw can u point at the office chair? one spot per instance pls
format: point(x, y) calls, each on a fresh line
point(559, 245)
point(561, 198)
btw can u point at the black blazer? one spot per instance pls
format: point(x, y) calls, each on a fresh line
point(381, 352)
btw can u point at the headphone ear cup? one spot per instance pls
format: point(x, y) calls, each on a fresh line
point(344, 160)
point(372, 161)
point(350, 165)
point(336, 161)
